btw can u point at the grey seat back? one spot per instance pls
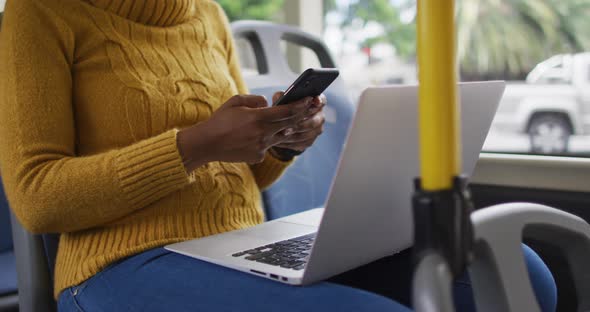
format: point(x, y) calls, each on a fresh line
point(35, 287)
point(8, 277)
point(306, 184)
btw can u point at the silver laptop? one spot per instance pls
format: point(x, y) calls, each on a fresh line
point(368, 214)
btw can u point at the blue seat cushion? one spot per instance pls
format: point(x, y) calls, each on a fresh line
point(5, 232)
point(7, 264)
point(7, 273)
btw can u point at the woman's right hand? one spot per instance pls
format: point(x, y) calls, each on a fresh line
point(241, 130)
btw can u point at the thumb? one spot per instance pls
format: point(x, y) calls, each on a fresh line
point(277, 96)
point(252, 101)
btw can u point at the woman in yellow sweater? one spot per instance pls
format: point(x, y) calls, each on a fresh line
point(121, 129)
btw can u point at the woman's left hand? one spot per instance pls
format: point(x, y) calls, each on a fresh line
point(307, 131)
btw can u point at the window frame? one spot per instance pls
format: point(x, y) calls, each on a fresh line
point(533, 171)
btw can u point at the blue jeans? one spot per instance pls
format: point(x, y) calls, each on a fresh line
point(158, 280)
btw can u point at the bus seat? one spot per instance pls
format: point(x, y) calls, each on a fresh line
point(305, 185)
point(8, 284)
point(35, 286)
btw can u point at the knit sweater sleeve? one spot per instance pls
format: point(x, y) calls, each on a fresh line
point(271, 169)
point(50, 188)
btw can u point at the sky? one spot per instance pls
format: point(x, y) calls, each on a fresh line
point(2, 4)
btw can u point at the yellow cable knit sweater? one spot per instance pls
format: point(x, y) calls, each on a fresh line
point(91, 95)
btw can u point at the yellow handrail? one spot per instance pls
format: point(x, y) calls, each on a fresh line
point(440, 143)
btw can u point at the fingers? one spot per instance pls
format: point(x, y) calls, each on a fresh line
point(311, 123)
point(299, 146)
point(317, 104)
point(312, 118)
point(284, 121)
point(284, 112)
point(249, 100)
point(286, 127)
point(320, 100)
point(301, 136)
point(314, 110)
point(277, 96)
point(298, 141)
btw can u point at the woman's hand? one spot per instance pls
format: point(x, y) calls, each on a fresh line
point(241, 130)
point(307, 130)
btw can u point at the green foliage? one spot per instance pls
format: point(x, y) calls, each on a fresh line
point(510, 37)
point(251, 9)
point(501, 38)
point(400, 35)
point(329, 5)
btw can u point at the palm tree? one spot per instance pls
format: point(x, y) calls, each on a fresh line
point(506, 38)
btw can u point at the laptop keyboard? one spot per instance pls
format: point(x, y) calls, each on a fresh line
point(290, 254)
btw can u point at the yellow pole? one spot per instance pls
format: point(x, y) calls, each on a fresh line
point(439, 116)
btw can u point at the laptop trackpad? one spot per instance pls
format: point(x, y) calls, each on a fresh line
point(288, 227)
point(277, 231)
point(311, 217)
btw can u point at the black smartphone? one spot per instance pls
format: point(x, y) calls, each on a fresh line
point(312, 82)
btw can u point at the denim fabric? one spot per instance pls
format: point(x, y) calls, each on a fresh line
point(158, 280)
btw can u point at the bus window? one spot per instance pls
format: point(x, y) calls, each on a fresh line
point(548, 113)
point(546, 106)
